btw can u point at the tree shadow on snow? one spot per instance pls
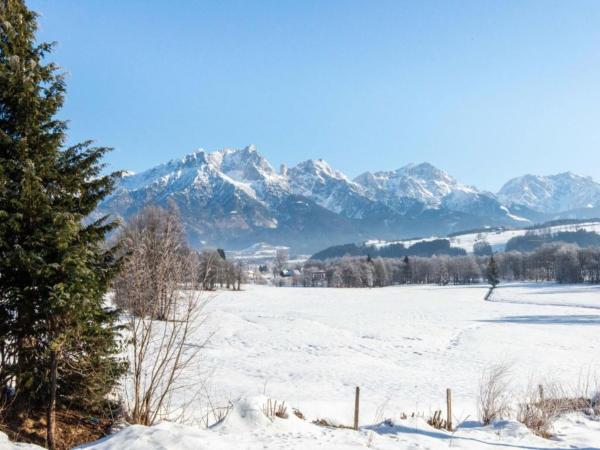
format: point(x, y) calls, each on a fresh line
point(583, 319)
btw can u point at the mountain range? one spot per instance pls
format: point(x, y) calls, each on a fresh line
point(233, 198)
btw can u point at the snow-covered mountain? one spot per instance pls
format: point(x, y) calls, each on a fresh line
point(331, 189)
point(418, 187)
point(233, 198)
point(230, 184)
point(552, 194)
point(423, 183)
point(230, 198)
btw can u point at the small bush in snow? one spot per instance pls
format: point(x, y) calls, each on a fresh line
point(272, 409)
point(437, 422)
point(493, 394)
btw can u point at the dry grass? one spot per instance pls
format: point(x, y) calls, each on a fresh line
point(588, 387)
point(272, 409)
point(493, 402)
point(437, 422)
point(538, 413)
point(72, 428)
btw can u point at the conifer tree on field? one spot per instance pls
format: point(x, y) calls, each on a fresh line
point(57, 341)
point(406, 270)
point(491, 272)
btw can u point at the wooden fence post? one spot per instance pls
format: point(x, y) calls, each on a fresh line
point(356, 404)
point(541, 388)
point(448, 409)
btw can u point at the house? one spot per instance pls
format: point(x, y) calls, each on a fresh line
point(318, 275)
point(317, 278)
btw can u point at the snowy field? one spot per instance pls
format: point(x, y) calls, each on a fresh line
point(403, 346)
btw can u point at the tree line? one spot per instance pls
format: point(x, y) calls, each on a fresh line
point(564, 263)
point(533, 240)
point(396, 250)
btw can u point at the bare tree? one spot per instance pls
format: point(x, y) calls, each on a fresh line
point(281, 259)
point(239, 275)
point(157, 262)
point(159, 289)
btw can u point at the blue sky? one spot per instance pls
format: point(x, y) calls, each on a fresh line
point(486, 90)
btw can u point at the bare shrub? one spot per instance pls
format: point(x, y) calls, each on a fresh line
point(588, 391)
point(272, 409)
point(157, 261)
point(158, 288)
point(216, 414)
point(537, 413)
point(493, 393)
point(541, 406)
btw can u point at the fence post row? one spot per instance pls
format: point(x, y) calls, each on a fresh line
point(448, 407)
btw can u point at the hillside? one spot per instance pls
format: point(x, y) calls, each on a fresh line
point(497, 238)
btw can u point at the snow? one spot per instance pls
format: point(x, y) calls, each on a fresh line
point(250, 432)
point(312, 346)
point(550, 294)
point(513, 216)
point(6, 444)
point(403, 345)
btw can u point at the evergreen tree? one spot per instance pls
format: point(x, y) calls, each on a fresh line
point(58, 341)
point(406, 270)
point(491, 272)
point(482, 248)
